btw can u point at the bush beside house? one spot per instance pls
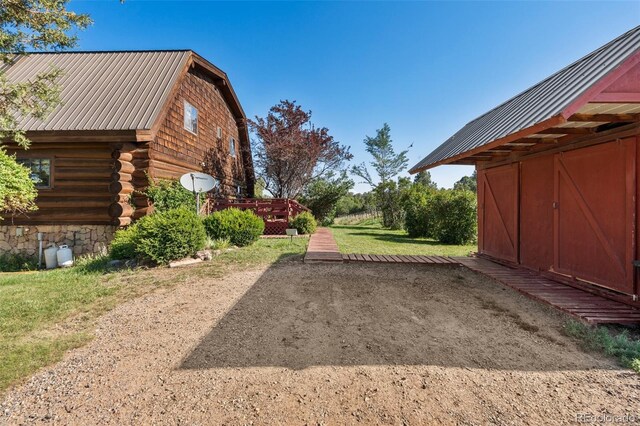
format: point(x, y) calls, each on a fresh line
point(240, 227)
point(305, 223)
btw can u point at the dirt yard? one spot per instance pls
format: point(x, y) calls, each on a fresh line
point(328, 344)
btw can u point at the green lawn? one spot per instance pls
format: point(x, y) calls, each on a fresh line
point(370, 238)
point(44, 314)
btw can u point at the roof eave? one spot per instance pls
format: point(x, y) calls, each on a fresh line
point(536, 128)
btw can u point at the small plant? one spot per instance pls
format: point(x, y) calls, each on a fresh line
point(123, 245)
point(620, 346)
point(305, 223)
point(10, 262)
point(92, 263)
point(240, 227)
point(170, 194)
point(170, 235)
point(217, 243)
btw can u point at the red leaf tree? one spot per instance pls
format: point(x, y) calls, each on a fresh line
point(290, 152)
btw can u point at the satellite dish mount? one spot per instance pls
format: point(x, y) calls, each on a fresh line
point(197, 183)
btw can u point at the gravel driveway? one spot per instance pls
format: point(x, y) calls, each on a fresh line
point(327, 344)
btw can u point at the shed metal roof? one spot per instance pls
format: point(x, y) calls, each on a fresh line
point(103, 90)
point(541, 102)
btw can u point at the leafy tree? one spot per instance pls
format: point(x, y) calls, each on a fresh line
point(350, 203)
point(469, 183)
point(258, 188)
point(390, 196)
point(290, 152)
point(387, 165)
point(16, 188)
point(424, 178)
point(386, 162)
point(44, 25)
point(322, 196)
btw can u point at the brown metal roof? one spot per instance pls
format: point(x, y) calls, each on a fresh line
point(540, 103)
point(104, 90)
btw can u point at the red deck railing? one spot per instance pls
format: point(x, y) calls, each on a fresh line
point(276, 212)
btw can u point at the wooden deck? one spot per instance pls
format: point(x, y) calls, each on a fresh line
point(586, 306)
point(379, 258)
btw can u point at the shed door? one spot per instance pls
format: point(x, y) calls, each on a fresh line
point(498, 212)
point(593, 214)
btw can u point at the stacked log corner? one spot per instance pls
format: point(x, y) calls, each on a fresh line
point(128, 181)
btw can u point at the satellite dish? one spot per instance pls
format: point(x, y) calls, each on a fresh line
point(197, 182)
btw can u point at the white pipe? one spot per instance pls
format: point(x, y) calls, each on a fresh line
point(39, 250)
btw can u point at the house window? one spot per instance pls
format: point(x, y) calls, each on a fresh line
point(238, 190)
point(190, 117)
point(232, 147)
point(40, 170)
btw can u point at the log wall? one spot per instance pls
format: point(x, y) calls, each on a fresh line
point(81, 174)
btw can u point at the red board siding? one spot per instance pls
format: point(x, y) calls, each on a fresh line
point(498, 212)
point(594, 218)
point(536, 213)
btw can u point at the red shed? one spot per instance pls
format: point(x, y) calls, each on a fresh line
point(558, 178)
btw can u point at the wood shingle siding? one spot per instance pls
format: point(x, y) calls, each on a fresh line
point(122, 121)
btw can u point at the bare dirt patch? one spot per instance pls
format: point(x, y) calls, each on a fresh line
point(328, 344)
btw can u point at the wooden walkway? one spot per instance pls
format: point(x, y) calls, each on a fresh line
point(582, 304)
point(322, 248)
point(379, 258)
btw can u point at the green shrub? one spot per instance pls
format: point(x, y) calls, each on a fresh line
point(454, 216)
point(10, 262)
point(305, 223)
point(169, 235)
point(170, 194)
point(418, 208)
point(240, 227)
point(123, 245)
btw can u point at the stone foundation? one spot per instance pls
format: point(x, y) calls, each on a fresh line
point(82, 239)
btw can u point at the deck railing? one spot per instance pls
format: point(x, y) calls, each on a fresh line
point(276, 212)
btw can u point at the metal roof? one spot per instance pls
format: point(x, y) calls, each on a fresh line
point(543, 101)
point(103, 90)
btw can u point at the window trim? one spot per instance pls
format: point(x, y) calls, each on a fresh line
point(184, 117)
point(232, 143)
point(36, 156)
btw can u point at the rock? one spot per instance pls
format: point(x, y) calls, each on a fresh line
point(204, 255)
point(115, 263)
point(184, 262)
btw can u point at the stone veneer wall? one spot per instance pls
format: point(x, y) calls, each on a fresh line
point(82, 239)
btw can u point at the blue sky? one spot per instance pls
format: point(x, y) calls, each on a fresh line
point(426, 68)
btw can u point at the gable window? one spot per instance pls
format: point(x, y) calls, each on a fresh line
point(40, 170)
point(190, 118)
point(232, 147)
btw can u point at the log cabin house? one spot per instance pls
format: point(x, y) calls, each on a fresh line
point(558, 173)
point(125, 117)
